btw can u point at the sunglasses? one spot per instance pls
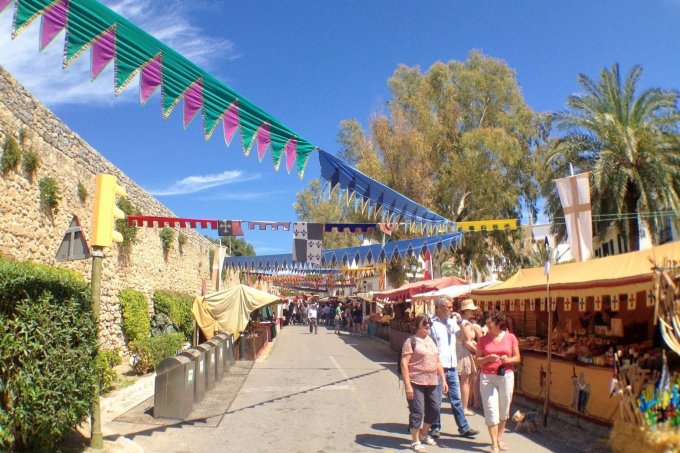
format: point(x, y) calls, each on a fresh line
point(426, 323)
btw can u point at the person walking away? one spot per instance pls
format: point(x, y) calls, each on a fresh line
point(311, 315)
point(304, 312)
point(497, 352)
point(443, 331)
point(421, 368)
point(327, 314)
point(338, 318)
point(357, 317)
point(466, 347)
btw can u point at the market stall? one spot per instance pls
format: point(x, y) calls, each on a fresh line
point(598, 307)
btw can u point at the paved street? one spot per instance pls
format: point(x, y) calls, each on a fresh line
point(319, 393)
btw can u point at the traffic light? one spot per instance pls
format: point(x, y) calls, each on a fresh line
point(106, 212)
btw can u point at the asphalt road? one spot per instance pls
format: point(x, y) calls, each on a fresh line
point(326, 393)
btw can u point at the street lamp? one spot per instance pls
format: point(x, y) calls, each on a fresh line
point(364, 285)
point(414, 270)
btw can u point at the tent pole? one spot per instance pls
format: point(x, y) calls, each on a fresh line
point(546, 406)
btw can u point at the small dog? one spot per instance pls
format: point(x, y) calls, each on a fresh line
point(529, 420)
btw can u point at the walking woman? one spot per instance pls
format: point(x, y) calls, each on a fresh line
point(497, 352)
point(421, 368)
point(466, 348)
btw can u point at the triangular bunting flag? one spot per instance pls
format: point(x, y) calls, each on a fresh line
point(53, 21)
point(263, 139)
point(193, 101)
point(290, 152)
point(103, 50)
point(231, 121)
point(150, 78)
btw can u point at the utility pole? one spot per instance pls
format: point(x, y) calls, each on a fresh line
point(96, 439)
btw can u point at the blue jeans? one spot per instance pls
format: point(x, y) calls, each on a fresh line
point(454, 397)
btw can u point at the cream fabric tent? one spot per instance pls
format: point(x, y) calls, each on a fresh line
point(452, 291)
point(229, 310)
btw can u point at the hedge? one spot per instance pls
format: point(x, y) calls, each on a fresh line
point(150, 351)
point(178, 308)
point(135, 322)
point(48, 342)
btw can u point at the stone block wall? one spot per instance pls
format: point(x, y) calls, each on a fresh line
point(29, 233)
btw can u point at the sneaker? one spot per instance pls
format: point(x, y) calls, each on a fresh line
point(428, 440)
point(435, 434)
point(417, 446)
point(470, 432)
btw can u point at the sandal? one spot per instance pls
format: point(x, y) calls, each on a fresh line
point(418, 447)
point(502, 446)
point(428, 440)
point(494, 449)
point(468, 413)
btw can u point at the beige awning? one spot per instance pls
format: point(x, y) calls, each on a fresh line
point(229, 310)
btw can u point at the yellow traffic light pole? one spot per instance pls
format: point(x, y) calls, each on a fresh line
point(104, 217)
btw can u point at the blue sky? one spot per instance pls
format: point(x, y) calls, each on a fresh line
point(312, 64)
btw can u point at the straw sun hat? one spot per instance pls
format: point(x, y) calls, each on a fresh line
point(468, 304)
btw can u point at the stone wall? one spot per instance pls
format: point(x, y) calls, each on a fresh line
point(28, 232)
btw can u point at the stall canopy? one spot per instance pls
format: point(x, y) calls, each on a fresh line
point(229, 310)
point(617, 274)
point(411, 289)
point(453, 291)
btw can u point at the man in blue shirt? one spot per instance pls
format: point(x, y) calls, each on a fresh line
point(443, 332)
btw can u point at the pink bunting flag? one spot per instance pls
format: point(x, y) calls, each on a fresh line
point(193, 101)
point(53, 21)
point(231, 122)
point(150, 78)
point(290, 151)
point(103, 50)
point(4, 3)
point(263, 140)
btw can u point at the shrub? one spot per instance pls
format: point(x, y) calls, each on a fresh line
point(30, 162)
point(129, 232)
point(11, 155)
point(181, 240)
point(49, 194)
point(177, 307)
point(150, 351)
point(82, 192)
point(48, 341)
point(167, 236)
point(104, 363)
point(135, 315)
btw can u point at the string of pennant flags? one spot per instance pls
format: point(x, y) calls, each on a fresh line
point(235, 227)
point(343, 257)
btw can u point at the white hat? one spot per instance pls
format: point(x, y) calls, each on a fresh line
point(468, 304)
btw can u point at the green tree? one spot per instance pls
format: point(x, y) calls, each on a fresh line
point(239, 246)
point(460, 140)
point(630, 144)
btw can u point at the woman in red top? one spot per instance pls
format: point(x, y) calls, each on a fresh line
point(421, 368)
point(497, 352)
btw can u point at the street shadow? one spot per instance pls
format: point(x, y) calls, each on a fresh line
point(378, 442)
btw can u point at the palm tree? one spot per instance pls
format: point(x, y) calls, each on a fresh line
point(629, 143)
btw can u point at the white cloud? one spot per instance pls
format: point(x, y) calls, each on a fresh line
point(42, 73)
point(193, 184)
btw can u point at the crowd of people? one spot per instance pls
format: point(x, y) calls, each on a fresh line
point(347, 315)
point(471, 363)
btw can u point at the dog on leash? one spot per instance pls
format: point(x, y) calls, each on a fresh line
point(528, 420)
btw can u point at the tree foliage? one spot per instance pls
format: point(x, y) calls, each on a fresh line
point(630, 144)
point(458, 139)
